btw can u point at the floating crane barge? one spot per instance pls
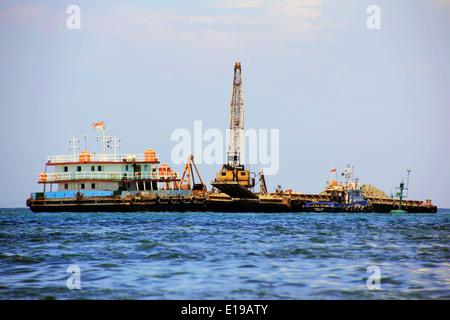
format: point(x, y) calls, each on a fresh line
point(210, 201)
point(119, 183)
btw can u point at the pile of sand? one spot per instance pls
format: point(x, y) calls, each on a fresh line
point(369, 191)
point(372, 192)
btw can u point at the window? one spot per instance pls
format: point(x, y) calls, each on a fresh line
point(66, 186)
point(92, 168)
point(243, 173)
point(223, 173)
point(82, 186)
point(66, 169)
point(79, 168)
point(126, 168)
point(93, 185)
point(99, 168)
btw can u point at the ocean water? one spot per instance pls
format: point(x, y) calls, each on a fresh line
point(222, 256)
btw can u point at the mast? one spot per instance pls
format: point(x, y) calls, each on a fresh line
point(401, 188)
point(236, 120)
point(74, 147)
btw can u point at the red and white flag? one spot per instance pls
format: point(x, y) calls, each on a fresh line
point(99, 125)
point(333, 170)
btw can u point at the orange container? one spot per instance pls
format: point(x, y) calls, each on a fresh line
point(164, 170)
point(42, 177)
point(84, 157)
point(149, 155)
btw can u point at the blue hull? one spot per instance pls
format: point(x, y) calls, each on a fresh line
point(332, 206)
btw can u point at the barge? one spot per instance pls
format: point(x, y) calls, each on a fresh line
point(135, 183)
point(88, 182)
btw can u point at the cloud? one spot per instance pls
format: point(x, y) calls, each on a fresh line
point(269, 17)
point(35, 16)
point(295, 16)
point(443, 2)
point(304, 3)
point(302, 13)
point(301, 8)
point(24, 13)
point(415, 67)
point(209, 28)
point(224, 19)
point(239, 4)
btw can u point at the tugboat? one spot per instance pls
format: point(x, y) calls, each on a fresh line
point(115, 182)
point(343, 197)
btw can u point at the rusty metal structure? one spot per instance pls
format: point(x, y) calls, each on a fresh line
point(188, 175)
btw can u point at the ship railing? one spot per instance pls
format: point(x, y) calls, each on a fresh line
point(93, 157)
point(109, 176)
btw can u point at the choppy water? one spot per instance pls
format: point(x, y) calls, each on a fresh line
point(224, 255)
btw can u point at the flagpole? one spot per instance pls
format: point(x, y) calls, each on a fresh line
point(101, 126)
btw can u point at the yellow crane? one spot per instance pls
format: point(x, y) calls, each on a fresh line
point(233, 173)
point(185, 184)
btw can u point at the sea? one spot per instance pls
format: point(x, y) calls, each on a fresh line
point(224, 256)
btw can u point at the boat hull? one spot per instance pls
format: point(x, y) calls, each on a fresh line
point(332, 206)
point(189, 201)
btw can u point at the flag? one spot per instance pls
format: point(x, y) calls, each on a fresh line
point(99, 125)
point(333, 170)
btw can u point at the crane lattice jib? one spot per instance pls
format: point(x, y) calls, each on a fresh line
point(236, 119)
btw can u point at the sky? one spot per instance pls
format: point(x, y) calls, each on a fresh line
point(337, 91)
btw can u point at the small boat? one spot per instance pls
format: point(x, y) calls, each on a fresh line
point(343, 197)
point(341, 200)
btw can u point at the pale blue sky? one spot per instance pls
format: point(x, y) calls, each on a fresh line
point(338, 92)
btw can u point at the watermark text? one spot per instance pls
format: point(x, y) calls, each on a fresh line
point(74, 280)
point(208, 146)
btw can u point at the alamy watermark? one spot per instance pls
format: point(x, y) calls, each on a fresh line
point(73, 22)
point(374, 280)
point(374, 20)
point(74, 280)
point(209, 147)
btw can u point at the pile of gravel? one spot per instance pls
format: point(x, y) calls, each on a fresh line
point(372, 192)
point(369, 191)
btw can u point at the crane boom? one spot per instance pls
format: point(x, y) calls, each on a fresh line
point(236, 120)
point(233, 179)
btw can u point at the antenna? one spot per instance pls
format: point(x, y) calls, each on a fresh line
point(348, 173)
point(112, 143)
point(74, 147)
point(407, 182)
point(103, 139)
point(399, 193)
point(85, 137)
